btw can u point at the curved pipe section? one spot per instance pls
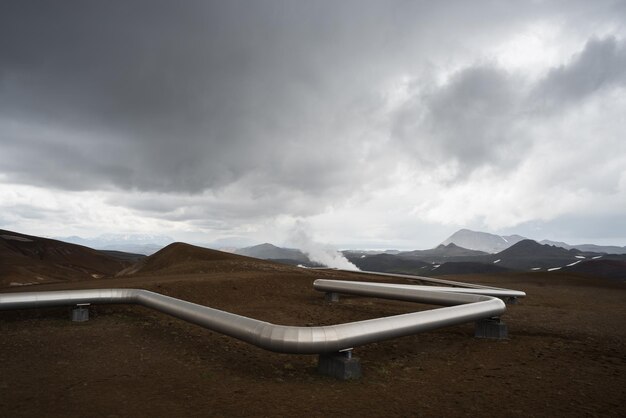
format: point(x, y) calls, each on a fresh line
point(460, 308)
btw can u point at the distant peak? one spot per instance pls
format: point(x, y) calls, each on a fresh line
point(175, 246)
point(179, 244)
point(264, 245)
point(526, 243)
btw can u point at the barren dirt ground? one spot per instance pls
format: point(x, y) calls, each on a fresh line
point(566, 355)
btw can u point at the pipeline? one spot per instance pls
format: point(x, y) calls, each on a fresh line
point(461, 306)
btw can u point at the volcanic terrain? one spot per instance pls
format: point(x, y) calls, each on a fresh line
point(565, 355)
point(28, 260)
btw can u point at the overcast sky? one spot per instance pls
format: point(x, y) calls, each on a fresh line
point(372, 124)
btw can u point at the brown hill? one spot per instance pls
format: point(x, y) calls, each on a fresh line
point(181, 258)
point(26, 259)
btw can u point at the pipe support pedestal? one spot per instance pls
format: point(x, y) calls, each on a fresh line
point(491, 328)
point(332, 297)
point(80, 312)
point(341, 365)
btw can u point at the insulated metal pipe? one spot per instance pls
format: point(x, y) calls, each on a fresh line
point(407, 291)
point(461, 308)
point(416, 278)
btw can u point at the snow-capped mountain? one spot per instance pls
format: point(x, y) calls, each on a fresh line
point(482, 241)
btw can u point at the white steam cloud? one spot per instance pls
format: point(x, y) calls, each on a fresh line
point(317, 252)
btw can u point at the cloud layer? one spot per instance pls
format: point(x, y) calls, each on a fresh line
point(374, 121)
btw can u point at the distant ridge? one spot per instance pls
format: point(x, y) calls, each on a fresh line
point(181, 258)
point(145, 244)
point(444, 250)
point(607, 249)
point(269, 251)
point(530, 255)
point(531, 248)
point(28, 260)
point(482, 241)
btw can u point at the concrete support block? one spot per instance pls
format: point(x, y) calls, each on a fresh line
point(491, 328)
point(80, 313)
point(332, 297)
point(339, 365)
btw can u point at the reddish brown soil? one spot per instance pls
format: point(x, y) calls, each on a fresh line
point(566, 355)
point(28, 260)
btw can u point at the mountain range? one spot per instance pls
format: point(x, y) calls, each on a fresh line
point(26, 259)
point(133, 243)
point(525, 255)
point(517, 254)
point(608, 249)
point(464, 238)
point(492, 243)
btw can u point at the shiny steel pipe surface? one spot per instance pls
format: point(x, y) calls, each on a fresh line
point(461, 308)
point(379, 290)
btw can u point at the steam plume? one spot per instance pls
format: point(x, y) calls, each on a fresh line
point(317, 252)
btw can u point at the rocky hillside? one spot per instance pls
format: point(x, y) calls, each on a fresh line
point(27, 260)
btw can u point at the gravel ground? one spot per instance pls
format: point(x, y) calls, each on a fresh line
point(566, 355)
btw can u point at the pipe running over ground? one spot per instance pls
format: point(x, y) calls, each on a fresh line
point(461, 305)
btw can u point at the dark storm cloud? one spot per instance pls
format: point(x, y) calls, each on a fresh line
point(236, 110)
point(194, 95)
point(599, 66)
point(467, 120)
point(188, 97)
